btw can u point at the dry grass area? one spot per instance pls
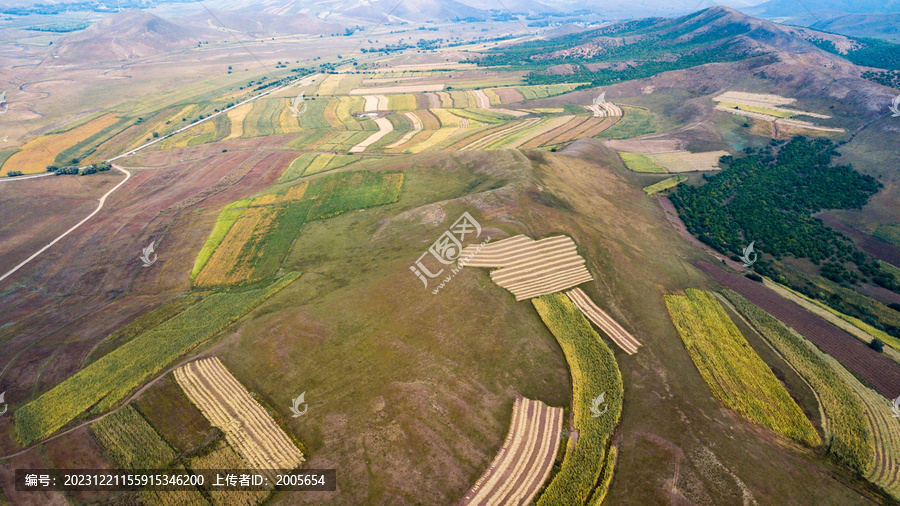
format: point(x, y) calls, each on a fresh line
point(227, 405)
point(36, 155)
point(524, 461)
point(530, 268)
point(610, 327)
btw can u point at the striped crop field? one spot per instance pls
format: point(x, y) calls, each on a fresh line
point(417, 127)
point(37, 154)
point(449, 125)
point(236, 118)
point(849, 441)
point(733, 371)
point(604, 110)
point(222, 456)
point(525, 459)
point(384, 127)
point(486, 138)
point(248, 428)
point(530, 268)
point(610, 327)
point(131, 441)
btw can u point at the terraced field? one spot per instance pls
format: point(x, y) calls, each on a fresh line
point(524, 461)
point(227, 405)
point(610, 327)
point(530, 268)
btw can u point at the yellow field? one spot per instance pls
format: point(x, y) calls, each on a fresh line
point(37, 154)
point(290, 124)
point(733, 371)
point(291, 194)
point(236, 117)
point(330, 85)
point(230, 263)
point(402, 103)
point(183, 139)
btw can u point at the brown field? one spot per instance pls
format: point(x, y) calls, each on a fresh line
point(231, 263)
point(610, 327)
point(509, 95)
point(880, 372)
point(36, 155)
point(530, 268)
point(868, 243)
point(227, 405)
point(523, 463)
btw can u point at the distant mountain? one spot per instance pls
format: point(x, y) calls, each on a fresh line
point(129, 34)
point(882, 26)
point(265, 19)
point(859, 18)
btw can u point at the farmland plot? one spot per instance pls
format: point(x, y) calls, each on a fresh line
point(665, 184)
point(525, 459)
point(733, 371)
point(131, 441)
point(610, 327)
point(37, 154)
point(530, 268)
point(227, 405)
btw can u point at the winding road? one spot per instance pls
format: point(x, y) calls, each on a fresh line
point(303, 82)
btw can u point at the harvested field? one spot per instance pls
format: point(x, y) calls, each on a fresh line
point(610, 327)
point(449, 125)
point(874, 368)
point(604, 110)
point(530, 268)
point(525, 459)
point(548, 131)
point(227, 405)
point(416, 128)
point(509, 95)
point(868, 243)
point(685, 161)
point(236, 119)
point(397, 89)
point(37, 154)
point(384, 127)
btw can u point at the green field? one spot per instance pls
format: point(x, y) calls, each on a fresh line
point(634, 123)
point(638, 162)
point(594, 372)
point(760, 110)
point(665, 184)
point(851, 442)
point(104, 383)
point(733, 371)
point(130, 441)
point(888, 233)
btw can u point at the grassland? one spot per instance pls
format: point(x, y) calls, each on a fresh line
point(888, 233)
point(638, 162)
point(850, 441)
point(102, 384)
point(131, 441)
point(733, 371)
point(594, 372)
point(36, 155)
point(634, 123)
point(253, 236)
point(665, 184)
